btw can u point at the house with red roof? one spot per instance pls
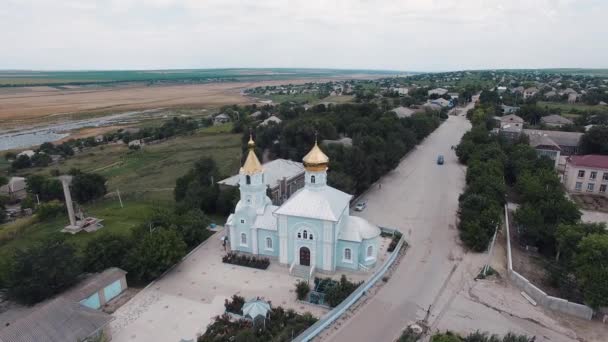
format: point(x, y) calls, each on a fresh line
point(587, 174)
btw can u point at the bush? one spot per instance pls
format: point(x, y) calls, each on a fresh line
point(235, 305)
point(50, 210)
point(154, 253)
point(106, 250)
point(246, 260)
point(88, 186)
point(394, 241)
point(336, 292)
point(302, 289)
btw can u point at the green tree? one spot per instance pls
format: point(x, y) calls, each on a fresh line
point(47, 189)
point(21, 162)
point(595, 141)
point(43, 270)
point(105, 251)
point(154, 253)
point(88, 186)
point(41, 160)
point(592, 269)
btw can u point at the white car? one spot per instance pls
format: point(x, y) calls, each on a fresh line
point(360, 206)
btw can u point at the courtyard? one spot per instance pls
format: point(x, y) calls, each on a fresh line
point(184, 301)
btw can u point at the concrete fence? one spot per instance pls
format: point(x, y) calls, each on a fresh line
point(538, 295)
point(336, 312)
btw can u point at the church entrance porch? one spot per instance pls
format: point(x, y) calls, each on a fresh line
point(304, 256)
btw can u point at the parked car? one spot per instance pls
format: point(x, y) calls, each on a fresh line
point(440, 160)
point(360, 206)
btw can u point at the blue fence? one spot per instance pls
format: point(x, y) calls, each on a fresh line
point(334, 314)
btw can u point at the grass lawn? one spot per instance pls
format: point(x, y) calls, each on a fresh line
point(338, 99)
point(115, 219)
point(151, 172)
point(568, 107)
point(299, 98)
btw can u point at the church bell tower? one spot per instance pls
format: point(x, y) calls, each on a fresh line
point(251, 180)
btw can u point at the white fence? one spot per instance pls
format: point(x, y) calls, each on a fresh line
point(336, 312)
point(541, 298)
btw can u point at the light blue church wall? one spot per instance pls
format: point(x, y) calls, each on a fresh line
point(239, 229)
point(363, 258)
point(340, 261)
point(263, 234)
point(298, 225)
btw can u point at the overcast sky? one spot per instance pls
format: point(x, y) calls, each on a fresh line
point(419, 35)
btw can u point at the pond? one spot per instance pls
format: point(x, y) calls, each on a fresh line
point(26, 137)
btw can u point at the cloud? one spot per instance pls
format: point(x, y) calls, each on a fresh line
point(378, 34)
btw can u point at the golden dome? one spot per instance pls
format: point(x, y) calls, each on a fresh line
point(316, 160)
point(252, 164)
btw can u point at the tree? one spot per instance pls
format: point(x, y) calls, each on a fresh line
point(43, 270)
point(106, 250)
point(592, 269)
point(88, 186)
point(47, 189)
point(595, 141)
point(22, 162)
point(41, 160)
point(154, 252)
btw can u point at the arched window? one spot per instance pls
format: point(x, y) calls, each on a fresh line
point(268, 243)
point(248, 179)
point(370, 251)
point(347, 254)
point(305, 235)
point(312, 179)
point(310, 236)
point(299, 235)
point(243, 239)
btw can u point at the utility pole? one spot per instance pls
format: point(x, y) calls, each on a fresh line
point(119, 199)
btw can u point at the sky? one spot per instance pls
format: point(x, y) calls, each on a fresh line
point(407, 35)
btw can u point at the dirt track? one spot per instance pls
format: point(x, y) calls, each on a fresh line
point(28, 105)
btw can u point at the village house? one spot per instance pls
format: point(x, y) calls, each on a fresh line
point(270, 119)
point(15, 189)
point(545, 146)
point(221, 119)
point(587, 174)
point(554, 120)
point(529, 92)
point(509, 109)
point(437, 91)
point(510, 126)
point(28, 153)
point(403, 112)
point(567, 141)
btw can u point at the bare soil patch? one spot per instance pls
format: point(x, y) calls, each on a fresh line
point(32, 104)
point(594, 203)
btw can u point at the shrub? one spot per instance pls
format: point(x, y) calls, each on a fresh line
point(235, 305)
point(106, 250)
point(394, 241)
point(302, 289)
point(154, 253)
point(246, 260)
point(338, 291)
point(50, 210)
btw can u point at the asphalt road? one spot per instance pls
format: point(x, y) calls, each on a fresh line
point(420, 198)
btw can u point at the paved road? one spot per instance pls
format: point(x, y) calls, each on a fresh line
point(420, 198)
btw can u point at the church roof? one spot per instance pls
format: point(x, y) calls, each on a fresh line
point(316, 160)
point(266, 220)
point(357, 229)
point(252, 164)
point(274, 172)
point(325, 203)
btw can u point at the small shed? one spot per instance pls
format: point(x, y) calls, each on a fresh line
point(97, 290)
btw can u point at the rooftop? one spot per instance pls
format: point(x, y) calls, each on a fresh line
point(590, 160)
point(58, 321)
point(94, 283)
point(511, 118)
point(556, 119)
point(403, 112)
point(560, 138)
point(325, 203)
point(274, 171)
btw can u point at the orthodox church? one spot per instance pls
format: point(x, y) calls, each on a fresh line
point(311, 229)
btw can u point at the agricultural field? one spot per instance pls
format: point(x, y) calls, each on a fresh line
point(338, 99)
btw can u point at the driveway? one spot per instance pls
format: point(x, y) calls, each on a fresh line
point(421, 199)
